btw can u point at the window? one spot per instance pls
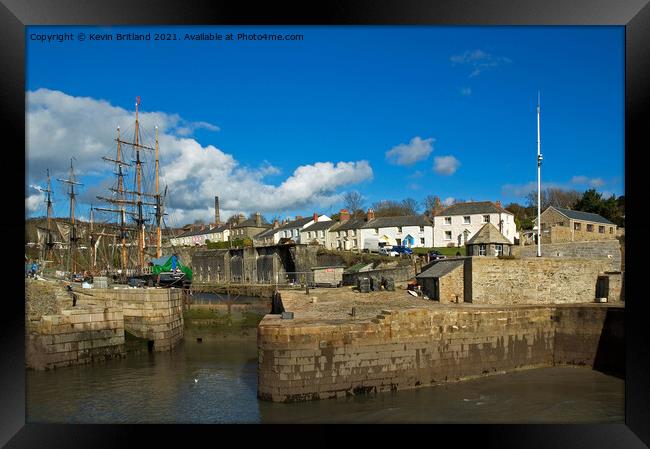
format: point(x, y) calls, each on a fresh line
point(399, 229)
point(467, 220)
point(399, 242)
point(422, 241)
point(601, 229)
point(447, 235)
point(611, 230)
point(421, 228)
point(320, 233)
point(498, 250)
point(590, 228)
point(577, 226)
point(338, 234)
point(352, 233)
point(447, 220)
point(486, 218)
point(481, 250)
point(376, 230)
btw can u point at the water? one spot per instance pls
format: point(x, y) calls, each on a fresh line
point(216, 382)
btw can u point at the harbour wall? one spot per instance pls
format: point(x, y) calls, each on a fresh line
point(597, 249)
point(75, 337)
point(417, 347)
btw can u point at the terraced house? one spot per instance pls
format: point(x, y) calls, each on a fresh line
point(413, 231)
point(197, 236)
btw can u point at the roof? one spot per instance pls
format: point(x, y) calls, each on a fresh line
point(471, 208)
point(267, 233)
point(320, 225)
point(584, 216)
point(358, 267)
point(328, 267)
point(160, 260)
point(352, 223)
point(441, 268)
point(488, 234)
point(299, 223)
point(202, 232)
point(404, 220)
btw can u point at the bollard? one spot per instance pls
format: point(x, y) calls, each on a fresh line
point(354, 311)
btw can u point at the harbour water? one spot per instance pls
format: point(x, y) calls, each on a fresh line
point(215, 381)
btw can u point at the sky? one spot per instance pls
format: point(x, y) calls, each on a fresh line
point(288, 127)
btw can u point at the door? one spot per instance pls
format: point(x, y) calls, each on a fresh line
point(436, 289)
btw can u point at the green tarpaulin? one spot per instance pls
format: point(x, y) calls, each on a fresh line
point(167, 266)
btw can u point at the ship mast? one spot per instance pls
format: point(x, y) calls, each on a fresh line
point(158, 206)
point(72, 261)
point(49, 244)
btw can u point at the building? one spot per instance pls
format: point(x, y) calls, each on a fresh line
point(488, 241)
point(198, 235)
point(565, 225)
point(248, 228)
point(317, 233)
point(456, 224)
point(289, 231)
point(444, 281)
point(346, 235)
point(413, 231)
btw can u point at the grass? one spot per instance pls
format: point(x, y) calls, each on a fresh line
point(444, 250)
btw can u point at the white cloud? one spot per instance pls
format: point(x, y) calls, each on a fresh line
point(34, 203)
point(448, 201)
point(409, 153)
point(446, 165)
point(479, 61)
point(584, 180)
point(60, 126)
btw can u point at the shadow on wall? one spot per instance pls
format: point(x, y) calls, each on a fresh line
point(610, 353)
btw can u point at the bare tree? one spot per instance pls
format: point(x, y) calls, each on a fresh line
point(353, 201)
point(432, 204)
point(554, 196)
point(410, 206)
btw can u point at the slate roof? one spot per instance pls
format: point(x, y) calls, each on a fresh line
point(250, 222)
point(488, 234)
point(352, 223)
point(299, 223)
point(320, 225)
point(405, 220)
point(583, 216)
point(471, 208)
point(202, 232)
point(441, 268)
point(267, 233)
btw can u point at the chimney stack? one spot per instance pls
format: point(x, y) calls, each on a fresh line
point(498, 203)
point(258, 220)
point(217, 217)
point(371, 214)
point(241, 218)
point(202, 226)
point(298, 217)
point(315, 217)
point(344, 215)
point(276, 224)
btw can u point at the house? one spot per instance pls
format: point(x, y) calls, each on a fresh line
point(248, 228)
point(566, 225)
point(346, 235)
point(456, 224)
point(197, 235)
point(317, 233)
point(414, 231)
point(290, 231)
point(488, 241)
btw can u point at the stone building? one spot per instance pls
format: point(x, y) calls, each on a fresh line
point(248, 228)
point(566, 225)
point(444, 281)
point(488, 241)
point(346, 235)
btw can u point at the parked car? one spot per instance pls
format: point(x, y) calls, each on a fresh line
point(403, 250)
point(435, 255)
point(388, 251)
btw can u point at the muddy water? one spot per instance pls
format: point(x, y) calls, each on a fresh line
point(215, 381)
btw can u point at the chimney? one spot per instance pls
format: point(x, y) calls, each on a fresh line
point(371, 214)
point(276, 224)
point(499, 204)
point(315, 217)
point(241, 218)
point(298, 217)
point(258, 220)
point(202, 227)
point(217, 218)
point(344, 215)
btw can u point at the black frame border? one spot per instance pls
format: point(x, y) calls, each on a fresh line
point(633, 14)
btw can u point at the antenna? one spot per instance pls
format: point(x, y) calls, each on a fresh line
point(539, 183)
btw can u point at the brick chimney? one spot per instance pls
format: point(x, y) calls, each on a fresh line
point(276, 224)
point(202, 227)
point(298, 217)
point(241, 218)
point(371, 214)
point(217, 218)
point(258, 219)
point(498, 204)
point(315, 217)
point(344, 215)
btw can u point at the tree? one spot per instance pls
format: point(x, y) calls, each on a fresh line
point(353, 201)
point(611, 208)
point(554, 196)
point(409, 206)
point(432, 203)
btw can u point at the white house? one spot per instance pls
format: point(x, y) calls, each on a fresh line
point(317, 232)
point(291, 230)
point(458, 223)
point(413, 231)
point(199, 236)
point(346, 234)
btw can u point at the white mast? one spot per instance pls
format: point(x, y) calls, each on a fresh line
point(539, 187)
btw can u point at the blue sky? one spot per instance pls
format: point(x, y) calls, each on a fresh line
point(391, 112)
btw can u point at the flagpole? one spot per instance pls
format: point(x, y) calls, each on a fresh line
point(539, 186)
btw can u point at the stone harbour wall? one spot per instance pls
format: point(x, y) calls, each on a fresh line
point(533, 281)
point(599, 249)
point(414, 347)
point(152, 313)
point(74, 337)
